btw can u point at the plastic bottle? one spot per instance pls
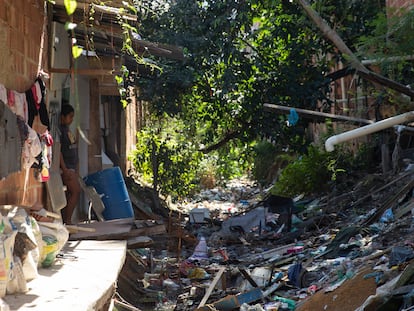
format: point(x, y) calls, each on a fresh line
point(290, 304)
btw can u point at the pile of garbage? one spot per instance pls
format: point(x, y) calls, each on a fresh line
point(27, 243)
point(249, 251)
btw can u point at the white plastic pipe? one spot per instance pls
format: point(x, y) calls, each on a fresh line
point(367, 129)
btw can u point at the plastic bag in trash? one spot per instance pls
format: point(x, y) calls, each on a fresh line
point(295, 274)
point(399, 255)
point(388, 216)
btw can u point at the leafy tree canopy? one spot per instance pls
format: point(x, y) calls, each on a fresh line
point(239, 55)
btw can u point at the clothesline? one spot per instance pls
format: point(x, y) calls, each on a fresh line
point(27, 118)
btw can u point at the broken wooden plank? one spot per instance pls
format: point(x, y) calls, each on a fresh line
point(95, 200)
point(138, 204)
point(147, 223)
point(70, 228)
point(243, 240)
point(75, 229)
point(374, 191)
point(212, 286)
point(125, 305)
point(116, 229)
point(29, 209)
point(392, 200)
point(405, 276)
point(277, 251)
point(404, 210)
point(139, 242)
point(154, 229)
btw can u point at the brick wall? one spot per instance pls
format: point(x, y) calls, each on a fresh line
point(14, 190)
point(21, 24)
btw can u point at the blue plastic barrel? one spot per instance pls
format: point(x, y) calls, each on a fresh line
point(110, 184)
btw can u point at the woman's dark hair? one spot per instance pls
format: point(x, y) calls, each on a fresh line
point(66, 109)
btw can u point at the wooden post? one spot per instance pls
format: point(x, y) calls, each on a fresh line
point(95, 148)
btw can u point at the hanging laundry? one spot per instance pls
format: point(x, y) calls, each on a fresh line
point(39, 154)
point(18, 104)
point(47, 142)
point(10, 142)
point(3, 94)
point(35, 97)
point(31, 149)
point(10, 99)
point(44, 170)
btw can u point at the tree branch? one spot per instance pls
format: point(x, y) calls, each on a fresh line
point(331, 35)
point(229, 136)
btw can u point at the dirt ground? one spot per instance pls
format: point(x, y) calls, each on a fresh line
point(347, 297)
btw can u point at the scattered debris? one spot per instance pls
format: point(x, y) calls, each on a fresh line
point(239, 249)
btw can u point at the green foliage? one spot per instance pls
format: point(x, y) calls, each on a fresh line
point(238, 56)
point(175, 166)
point(391, 43)
point(333, 168)
point(70, 6)
point(122, 89)
point(269, 161)
point(265, 154)
point(366, 158)
point(224, 164)
point(351, 19)
point(308, 174)
point(319, 171)
point(232, 160)
point(168, 161)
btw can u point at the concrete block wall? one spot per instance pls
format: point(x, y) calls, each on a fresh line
point(21, 25)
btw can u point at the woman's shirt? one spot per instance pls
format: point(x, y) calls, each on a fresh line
point(69, 147)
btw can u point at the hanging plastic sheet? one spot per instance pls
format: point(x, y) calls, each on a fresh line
point(293, 117)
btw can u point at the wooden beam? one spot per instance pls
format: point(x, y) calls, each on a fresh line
point(95, 135)
point(379, 79)
point(389, 203)
point(139, 242)
point(85, 72)
point(372, 192)
point(211, 287)
point(109, 233)
point(109, 90)
point(114, 11)
point(317, 115)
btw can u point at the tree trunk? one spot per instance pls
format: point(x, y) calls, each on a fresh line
point(331, 35)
